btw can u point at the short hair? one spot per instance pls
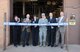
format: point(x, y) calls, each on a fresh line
point(61, 11)
point(50, 13)
point(43, 14)
point(27, 14)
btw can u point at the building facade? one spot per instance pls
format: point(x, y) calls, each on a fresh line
point(70, 7)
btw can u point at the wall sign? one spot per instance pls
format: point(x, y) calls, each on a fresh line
point(72, 20)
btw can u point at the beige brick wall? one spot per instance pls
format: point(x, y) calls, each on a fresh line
point(72, 7)
point(4, 7)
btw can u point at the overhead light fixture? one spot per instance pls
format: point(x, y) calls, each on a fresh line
point(53, 3)
point(48, 2)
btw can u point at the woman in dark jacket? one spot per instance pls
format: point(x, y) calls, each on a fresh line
point(16, 31)
point(35, 32)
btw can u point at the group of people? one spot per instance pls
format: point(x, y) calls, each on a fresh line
point(41, 35)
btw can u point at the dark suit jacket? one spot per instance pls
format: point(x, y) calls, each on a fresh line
point(53, 20)
point(16, 29)
point(33, 27)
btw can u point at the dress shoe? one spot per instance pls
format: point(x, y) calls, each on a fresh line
point(62, 47)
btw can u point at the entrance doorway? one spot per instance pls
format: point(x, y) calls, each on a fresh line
point(36, 7)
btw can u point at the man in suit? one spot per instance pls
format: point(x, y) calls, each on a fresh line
point(26, 31)
point(61, 30)
point(35, 32)
point(51, 30)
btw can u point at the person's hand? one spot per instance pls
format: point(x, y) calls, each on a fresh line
point(18, 20)
point(58, 25)
point(35, 26)
point(52, 27)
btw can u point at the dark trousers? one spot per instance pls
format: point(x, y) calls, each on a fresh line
point(35, 37)
point(15, 34)
point(25, 37)
point(51, 36)
point(19, 35)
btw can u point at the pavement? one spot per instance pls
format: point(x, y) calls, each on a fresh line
point(71, 48)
